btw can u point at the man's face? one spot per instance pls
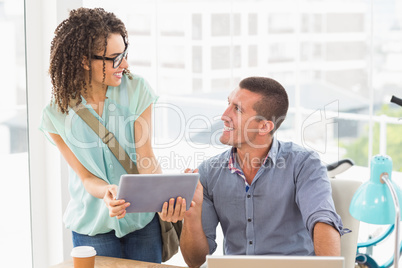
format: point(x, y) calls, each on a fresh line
point(240, 124)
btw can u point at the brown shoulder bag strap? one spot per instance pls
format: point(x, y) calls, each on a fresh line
point(107, 137)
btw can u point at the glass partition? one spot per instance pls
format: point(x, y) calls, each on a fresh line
point(15, 242)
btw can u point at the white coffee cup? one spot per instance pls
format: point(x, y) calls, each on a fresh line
point(83, 257)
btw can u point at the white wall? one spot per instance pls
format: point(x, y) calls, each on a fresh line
point(45, 167)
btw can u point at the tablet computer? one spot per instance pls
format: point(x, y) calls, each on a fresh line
point(148, 192)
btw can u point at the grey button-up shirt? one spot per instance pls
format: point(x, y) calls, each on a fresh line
point(276, 214)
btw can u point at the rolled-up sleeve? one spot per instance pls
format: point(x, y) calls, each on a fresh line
point(314, 194)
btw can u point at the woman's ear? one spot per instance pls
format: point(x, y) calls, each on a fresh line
point(85, 63)
point(266, 127)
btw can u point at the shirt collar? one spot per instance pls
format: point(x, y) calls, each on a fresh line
point(232, 159)
point(83, 100)
point(109, 92)
point(272, 154)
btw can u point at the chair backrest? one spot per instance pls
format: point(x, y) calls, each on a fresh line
point(342, 194)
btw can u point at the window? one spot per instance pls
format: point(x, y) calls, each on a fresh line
point(197, 27)
point(345, 23)
point(252, 24)
point(220, 58)
point(340, 63)
point(281, 23)
point(220, 24)
point(15, 242)
point(253, 56)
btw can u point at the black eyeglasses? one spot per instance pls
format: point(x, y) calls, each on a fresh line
point(116, 60)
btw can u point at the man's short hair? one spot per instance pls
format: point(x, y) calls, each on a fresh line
point(274, 103)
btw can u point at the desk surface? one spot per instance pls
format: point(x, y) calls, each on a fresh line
point(107, 262)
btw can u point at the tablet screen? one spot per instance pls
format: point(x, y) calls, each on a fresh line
point(148, 192)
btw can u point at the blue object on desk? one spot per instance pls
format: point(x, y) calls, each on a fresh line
point(377, 201)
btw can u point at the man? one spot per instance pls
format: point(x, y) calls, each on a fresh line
point(270, 197)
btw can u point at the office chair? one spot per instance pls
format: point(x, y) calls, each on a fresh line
point(342, 194)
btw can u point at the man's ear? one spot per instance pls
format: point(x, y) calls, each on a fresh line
point(266, 127)
point(85, 63)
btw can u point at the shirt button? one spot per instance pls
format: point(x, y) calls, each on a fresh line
point(250, 242)
point(249, 219)
point(111, 166)
point(249, 195)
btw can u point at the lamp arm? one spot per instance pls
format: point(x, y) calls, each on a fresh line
point(376, 240)
point(397, 218)
point(391, 260)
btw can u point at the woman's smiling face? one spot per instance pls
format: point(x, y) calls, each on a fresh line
point(115, 46)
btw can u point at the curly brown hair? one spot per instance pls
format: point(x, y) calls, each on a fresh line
point(82, 34)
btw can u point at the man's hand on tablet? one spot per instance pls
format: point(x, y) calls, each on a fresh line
point(172, 213)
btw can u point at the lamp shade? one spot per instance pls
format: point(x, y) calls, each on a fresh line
point(372, 202)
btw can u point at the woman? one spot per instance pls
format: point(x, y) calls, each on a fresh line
point(88, 65)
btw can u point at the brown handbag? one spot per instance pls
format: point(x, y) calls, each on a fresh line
point(170, 232)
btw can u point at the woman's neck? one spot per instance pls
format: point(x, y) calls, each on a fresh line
point(95, 96)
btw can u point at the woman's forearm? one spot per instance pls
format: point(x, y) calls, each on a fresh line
point(95, 186)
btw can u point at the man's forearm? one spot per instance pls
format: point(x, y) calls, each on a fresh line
point(327, 241)
point(193, 243)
